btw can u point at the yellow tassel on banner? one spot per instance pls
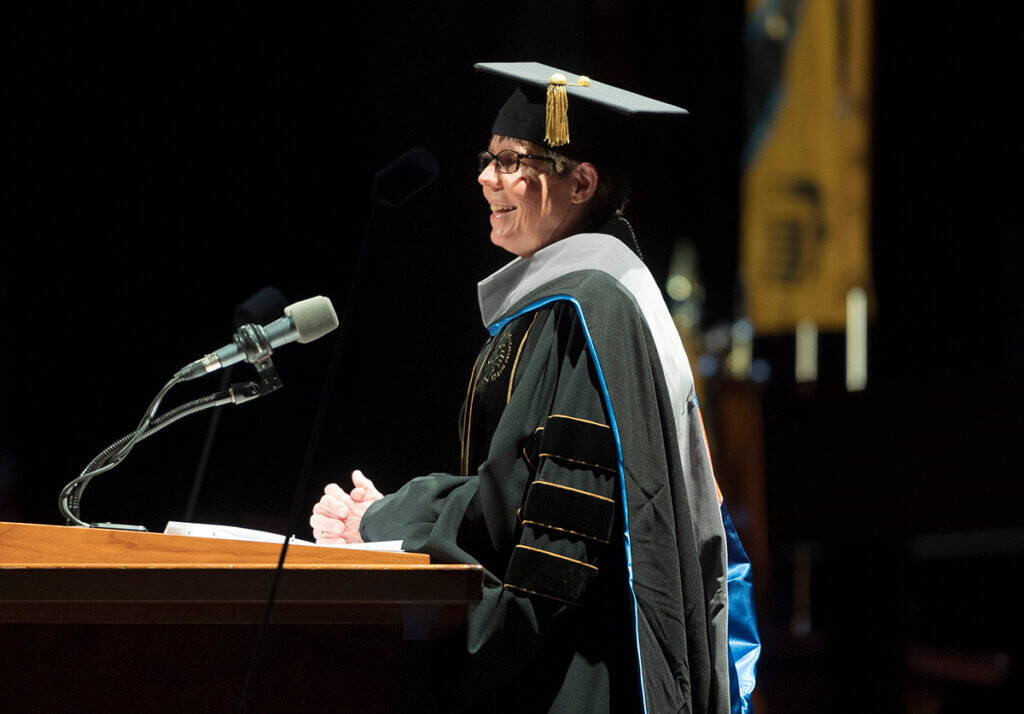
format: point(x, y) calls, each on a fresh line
point(556, 118)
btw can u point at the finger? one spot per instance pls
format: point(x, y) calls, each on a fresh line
point(330, 506)
point(331, 513)
point(359, 480)
point(327, 539)
point(333, 489)
point(358, 494)
point(326, 534)
point(326, 525)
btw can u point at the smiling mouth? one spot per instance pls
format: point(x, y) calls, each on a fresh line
point(499, 210)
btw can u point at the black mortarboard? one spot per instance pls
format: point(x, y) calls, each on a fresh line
point(573, 114)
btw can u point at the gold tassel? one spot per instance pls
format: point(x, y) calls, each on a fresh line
point(556, 116)
point(556, 119)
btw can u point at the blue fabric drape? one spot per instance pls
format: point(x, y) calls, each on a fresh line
point(744, 641)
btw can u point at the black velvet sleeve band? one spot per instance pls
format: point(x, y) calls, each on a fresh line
point(579, 442)
point(569, 510)
point(539, 572)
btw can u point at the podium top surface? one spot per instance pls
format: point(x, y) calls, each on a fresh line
point(30, 545)
point(61, 574)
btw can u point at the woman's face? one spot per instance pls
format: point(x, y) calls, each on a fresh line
point(530, 209)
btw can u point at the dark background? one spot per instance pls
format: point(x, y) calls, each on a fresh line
point(162, 162)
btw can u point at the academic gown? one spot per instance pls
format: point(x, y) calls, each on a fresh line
point(586, 493)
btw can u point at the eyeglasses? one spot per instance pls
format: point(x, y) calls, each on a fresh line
point(507, 160)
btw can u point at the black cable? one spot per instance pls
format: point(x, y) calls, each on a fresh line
point(204, 455)
point(69, 500)
point(392, 186)
point(71, 495)
point(300, 489)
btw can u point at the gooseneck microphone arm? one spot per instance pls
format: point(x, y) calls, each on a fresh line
point(69, 501)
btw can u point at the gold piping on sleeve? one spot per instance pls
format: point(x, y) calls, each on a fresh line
point(563, 530)
point(527, 460)
point(534, 592)
point(512, 375)
point(585, 421)
point(577, 461)
point(556, 555)
point(575, 490)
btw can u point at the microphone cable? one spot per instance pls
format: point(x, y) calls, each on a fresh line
point(393, 185)
point(70, 497)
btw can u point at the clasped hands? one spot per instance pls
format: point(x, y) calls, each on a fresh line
point(337, 515)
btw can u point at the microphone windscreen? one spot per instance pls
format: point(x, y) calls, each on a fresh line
point(313, 317)
point(260, 308)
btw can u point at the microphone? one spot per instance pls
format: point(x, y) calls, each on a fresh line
point(305, 321)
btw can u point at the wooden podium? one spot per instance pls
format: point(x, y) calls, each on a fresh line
point(104, 620)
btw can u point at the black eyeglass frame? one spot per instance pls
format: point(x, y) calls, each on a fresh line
point(485, 162)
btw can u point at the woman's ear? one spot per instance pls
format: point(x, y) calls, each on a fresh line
point(585, 179)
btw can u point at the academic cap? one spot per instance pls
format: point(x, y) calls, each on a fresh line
point(580, 117)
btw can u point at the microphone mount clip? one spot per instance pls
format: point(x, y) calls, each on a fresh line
point(253, 342)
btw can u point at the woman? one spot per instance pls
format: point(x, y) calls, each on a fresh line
point(586, 489)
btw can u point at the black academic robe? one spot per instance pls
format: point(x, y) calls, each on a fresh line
point(586, 493)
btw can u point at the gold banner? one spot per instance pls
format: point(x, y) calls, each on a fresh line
point(805, 213)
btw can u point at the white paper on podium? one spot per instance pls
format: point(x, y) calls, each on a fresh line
point(207, 530)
